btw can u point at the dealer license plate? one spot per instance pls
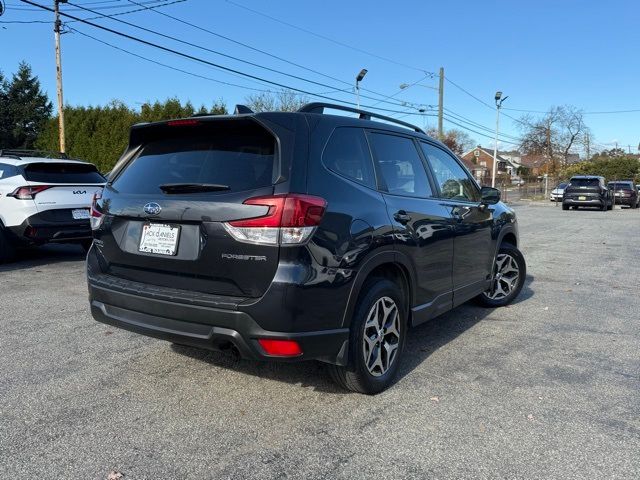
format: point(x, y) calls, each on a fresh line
point(159, 238)
point(80, 214)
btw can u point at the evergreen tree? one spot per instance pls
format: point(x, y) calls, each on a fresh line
point(28, 108)
point(5, 131)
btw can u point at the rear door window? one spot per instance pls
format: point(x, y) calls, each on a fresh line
point(62, 172)
point(401, 169)
point(347, 154)
point(241, 159)
point(7, 171)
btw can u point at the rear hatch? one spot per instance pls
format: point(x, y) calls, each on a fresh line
point(165, 205)
point(64, 186)
point(583, 189)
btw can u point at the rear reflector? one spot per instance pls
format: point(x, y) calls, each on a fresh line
point(290, 219)
point(28, 193)
point(280, 348)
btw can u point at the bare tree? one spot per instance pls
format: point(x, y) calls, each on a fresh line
point(283, 101)
point(457, 140)
point(554, 135)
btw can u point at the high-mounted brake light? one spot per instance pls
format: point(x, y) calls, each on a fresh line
point(290, 220)
point(28, 193)
point(96, 217)
point(280, 348)
point(182, 123)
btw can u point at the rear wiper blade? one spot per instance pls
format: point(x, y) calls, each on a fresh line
point(192, 187)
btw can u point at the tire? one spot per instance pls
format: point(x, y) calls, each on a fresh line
point(7, 248)
point(372, 377)
point(565, 206)
point(605, 207)
point(512, 270)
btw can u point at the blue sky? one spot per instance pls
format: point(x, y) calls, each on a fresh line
point(540, 53)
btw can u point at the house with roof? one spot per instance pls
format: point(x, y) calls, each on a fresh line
point(479, 161)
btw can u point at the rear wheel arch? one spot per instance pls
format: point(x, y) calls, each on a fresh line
point(386, 265)
point(509, 237)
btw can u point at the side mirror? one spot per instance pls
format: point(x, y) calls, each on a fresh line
point(489, 195)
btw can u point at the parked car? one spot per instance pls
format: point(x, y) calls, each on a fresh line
point(625, 192)
point(586, 191)
point(558, 192)
point(296, 236)
point(44, 199)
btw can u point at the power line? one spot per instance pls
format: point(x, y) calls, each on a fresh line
point(478, 133)
point(227, 55)
point(329, 39)
point(475, 124)
point(203, 61)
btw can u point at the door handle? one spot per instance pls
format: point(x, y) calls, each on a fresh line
point(402, 217)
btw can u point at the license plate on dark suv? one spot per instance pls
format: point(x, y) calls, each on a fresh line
point(159, 238)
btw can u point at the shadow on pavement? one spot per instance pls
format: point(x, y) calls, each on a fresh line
point(421, 343)
point(45, 255)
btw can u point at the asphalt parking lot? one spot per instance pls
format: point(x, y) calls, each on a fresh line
point(546, 388)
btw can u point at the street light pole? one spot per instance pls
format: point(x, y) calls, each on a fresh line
point(359, 78)
point(499, 99)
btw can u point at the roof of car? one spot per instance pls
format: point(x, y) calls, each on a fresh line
point(18, 161)
point(586, 176)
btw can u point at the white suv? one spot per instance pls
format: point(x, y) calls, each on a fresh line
point(44, 200)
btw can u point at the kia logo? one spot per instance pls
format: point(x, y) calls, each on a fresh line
point(79, 192)
point(152, 208)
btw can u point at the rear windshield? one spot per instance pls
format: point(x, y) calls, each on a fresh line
point(584, 182)
point(620, 186)
point(242, 159)
point(561, 185)
point(52, 172)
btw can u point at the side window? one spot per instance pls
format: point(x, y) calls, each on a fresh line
point(400, 166)
point(454, 182)
point(7, 171)
point(347, 154)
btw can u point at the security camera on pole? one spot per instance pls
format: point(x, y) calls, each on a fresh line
point(499, 99)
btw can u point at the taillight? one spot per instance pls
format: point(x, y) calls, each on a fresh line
point(28, 193)
point(96, 217)
point(280, 348)
point(290, 220)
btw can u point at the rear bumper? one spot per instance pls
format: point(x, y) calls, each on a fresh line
point(52, 226)
point(589, 202)
point(626, 201)
point(203, 321)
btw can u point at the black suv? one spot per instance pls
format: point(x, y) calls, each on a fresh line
point(587, 191)
point(296, 236)
point(625, 192)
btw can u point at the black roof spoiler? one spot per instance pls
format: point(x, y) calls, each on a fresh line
point(319, 107)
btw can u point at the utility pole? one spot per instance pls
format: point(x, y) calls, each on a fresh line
point(56, 28)
point(587, 144)
point(440, 103)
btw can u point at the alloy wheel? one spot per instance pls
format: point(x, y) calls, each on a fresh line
point(505, 278)
point(381, 337)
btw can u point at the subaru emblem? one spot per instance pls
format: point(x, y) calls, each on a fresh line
point(152, 208)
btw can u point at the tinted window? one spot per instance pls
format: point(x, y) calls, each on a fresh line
point(53, 172)
point(453, 180)
point(347, 154)
point(620, 186)
point(584, 182)
point(7, 171)
point(400, 166)
point(241, 159)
